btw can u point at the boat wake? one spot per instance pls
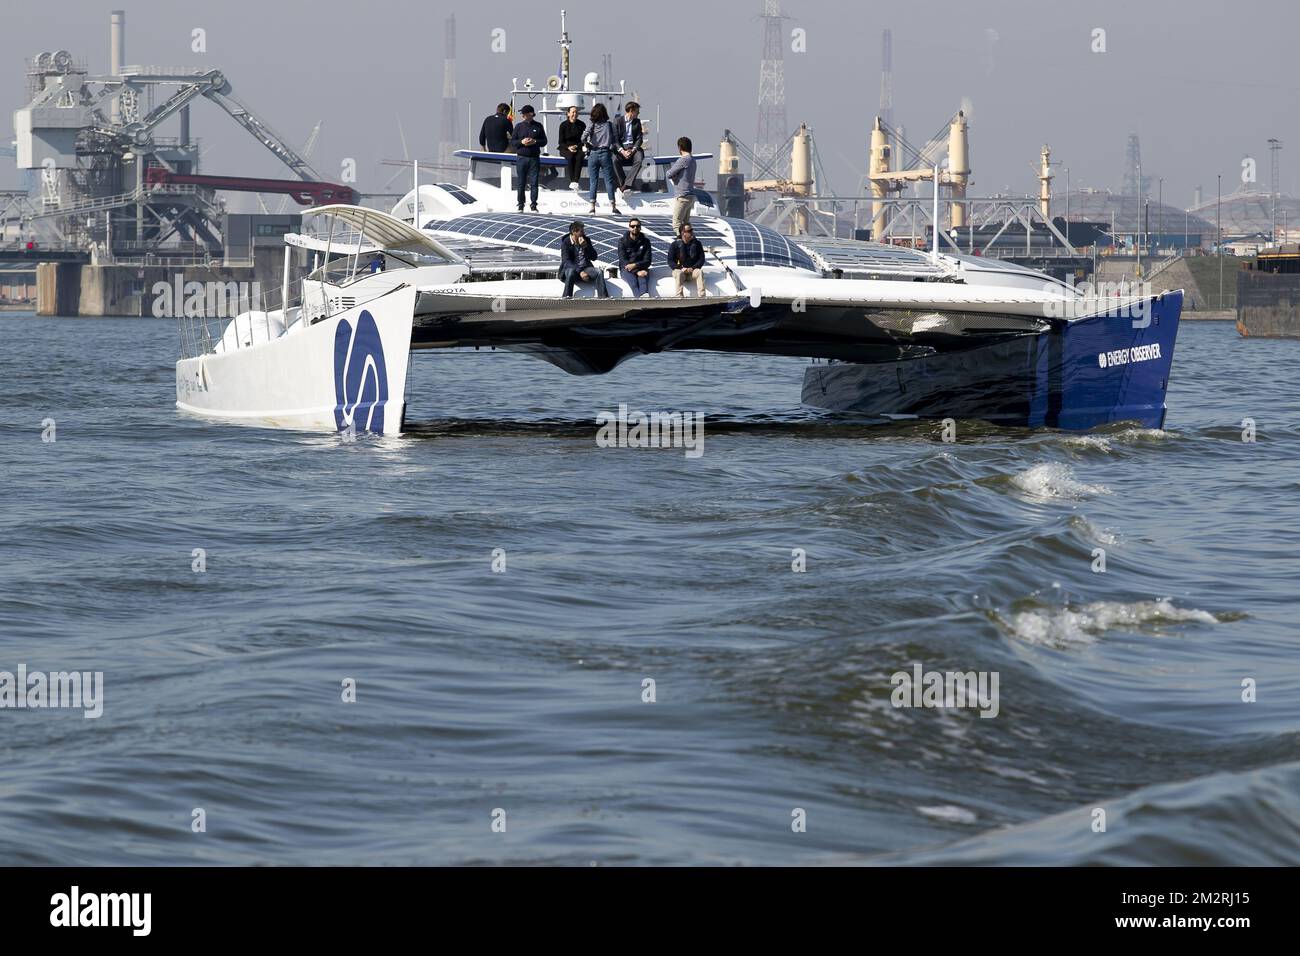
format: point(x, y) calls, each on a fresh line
point(1055, 480)
point(1067, 626)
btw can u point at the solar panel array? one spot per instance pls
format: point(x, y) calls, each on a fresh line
point(760, 246)
point(753, 245)
point(518, 228)
point(543, 232)
point(456, 191)
point(487, 257)
point(858, 259)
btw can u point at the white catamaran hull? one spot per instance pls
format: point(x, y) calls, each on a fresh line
point(344, 371)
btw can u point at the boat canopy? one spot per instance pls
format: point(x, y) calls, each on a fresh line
point(374, 230)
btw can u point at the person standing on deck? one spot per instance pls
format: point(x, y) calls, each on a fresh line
point(494, 136)
point(571, 143)
point(600, 156)
point(682, 175)
point(631, 154)
point(528, 138)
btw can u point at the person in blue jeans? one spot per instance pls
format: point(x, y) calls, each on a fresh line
point(634, 255)
point(578, 262)
point(600, 142)
point(528, 138)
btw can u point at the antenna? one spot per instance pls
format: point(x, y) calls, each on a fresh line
point(564, 53)
point(415, 219)
point(887, 78)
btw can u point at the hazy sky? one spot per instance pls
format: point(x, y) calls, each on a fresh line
point(1204, 83)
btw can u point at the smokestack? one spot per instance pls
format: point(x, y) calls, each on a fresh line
point(116, 52)
point(117, 42)
point(728, 158)
point(801, 175)
point(880, 159)
point(958, 169)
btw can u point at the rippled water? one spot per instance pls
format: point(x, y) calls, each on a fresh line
point(522, 690)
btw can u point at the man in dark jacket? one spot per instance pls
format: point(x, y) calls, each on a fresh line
point(528, 138)
point(578, 262)
point(495, 133)
point(631, 154)
point(634, 255)
point(686, 256)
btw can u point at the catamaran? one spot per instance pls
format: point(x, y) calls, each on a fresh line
point(892, 331)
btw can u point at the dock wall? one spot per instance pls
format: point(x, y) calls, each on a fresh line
point(67, 289)
point(1268, 304)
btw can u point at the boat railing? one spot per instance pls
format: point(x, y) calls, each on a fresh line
point(245, 319)
point(242, 320)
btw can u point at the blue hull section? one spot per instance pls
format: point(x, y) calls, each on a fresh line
point(1078, 375)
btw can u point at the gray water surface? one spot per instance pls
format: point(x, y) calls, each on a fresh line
point(522, 691)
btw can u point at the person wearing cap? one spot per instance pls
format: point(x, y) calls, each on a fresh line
point(578, 262)
point(686, 256)
point(528, 138)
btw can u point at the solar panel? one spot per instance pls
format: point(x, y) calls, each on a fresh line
point(492, 257)
point(663, 226)
point(856, 258)
point(518, 228)
point(456, 191)
point(760, 246)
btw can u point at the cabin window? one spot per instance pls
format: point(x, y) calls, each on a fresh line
point(486, 171)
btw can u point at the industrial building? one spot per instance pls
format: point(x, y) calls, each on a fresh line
point(116, 199)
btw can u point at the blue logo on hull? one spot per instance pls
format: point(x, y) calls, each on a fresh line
point(360, 375)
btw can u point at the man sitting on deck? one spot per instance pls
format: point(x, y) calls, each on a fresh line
point(631, 155)
point(686, 256)
point(634, 256)
point(578, 262)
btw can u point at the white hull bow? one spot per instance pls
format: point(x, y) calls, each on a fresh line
point(345, 371)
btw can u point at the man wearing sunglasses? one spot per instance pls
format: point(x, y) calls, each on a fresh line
point(634, 255)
